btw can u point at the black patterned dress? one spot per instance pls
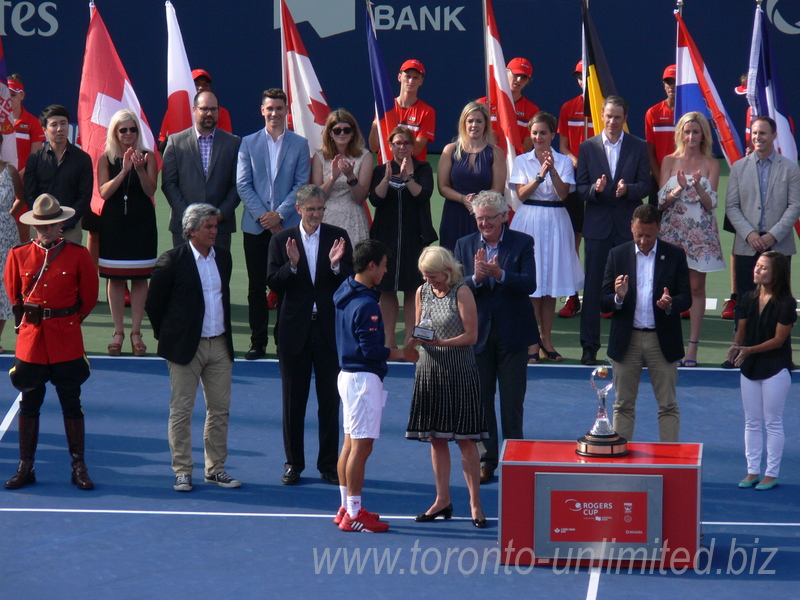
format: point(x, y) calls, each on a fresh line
point(446, 402)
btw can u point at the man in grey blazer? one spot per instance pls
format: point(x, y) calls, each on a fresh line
point(200, 166)
point(273, 163)
point(763, 202)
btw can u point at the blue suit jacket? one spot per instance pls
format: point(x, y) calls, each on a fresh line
point(671, 272)
point(508, 304)
point(253, 180)
point(604, 211)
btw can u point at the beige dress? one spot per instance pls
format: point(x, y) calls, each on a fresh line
point(340, 207)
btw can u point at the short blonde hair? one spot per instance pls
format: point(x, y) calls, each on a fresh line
point(436, 259)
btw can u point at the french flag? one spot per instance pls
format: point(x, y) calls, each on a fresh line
point(385, 113)
point(307, 104)
point(499, 94)
point(764, 90)
point(695, 91)
point(180, 85)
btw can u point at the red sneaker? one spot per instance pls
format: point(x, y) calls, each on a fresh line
point(686, 314)
point(607, 315)
point(571, 308)
point(363, 522)
point(343, 511)
point(728, 308)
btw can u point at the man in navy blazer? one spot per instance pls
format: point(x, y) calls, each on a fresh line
point(500, 270)
point(646, 287)
point(613, 176)
point(186, 179)
point(307, 264)
point(189, 306)
point(273, 163)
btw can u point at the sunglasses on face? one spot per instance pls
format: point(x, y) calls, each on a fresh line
point(125, 130)
point(342, 130)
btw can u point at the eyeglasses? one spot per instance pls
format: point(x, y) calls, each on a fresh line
point(401, 144)
point(487, 218)
point(207, 109)
point(342, 130)
point(125, 130)
point(313, 209)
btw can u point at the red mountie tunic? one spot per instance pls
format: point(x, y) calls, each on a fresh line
point(72, 275)
point(28, 130)
point(524, 108)
point(570, 123)
point(419, 118)
point(659, 129)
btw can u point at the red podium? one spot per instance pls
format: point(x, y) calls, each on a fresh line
point(556, 506)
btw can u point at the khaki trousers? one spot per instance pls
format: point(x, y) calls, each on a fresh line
point(645, 351)
point(212, 365)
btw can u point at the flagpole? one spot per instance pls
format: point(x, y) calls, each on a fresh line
point(486, 56)
point(283, 51)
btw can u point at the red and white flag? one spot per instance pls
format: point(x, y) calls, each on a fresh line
point(499, 93)
point(180, 85)
point(105, 89)
point(307, 104)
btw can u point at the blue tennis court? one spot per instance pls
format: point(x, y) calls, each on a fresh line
point(134, 537)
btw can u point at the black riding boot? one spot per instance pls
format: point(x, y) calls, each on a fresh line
point(28, 439)
point(75, 439)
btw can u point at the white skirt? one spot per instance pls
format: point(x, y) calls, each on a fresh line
point(558, 267)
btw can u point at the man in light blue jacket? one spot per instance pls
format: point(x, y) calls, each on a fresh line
point(273, 163)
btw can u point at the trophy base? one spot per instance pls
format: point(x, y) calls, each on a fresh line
point(602, 446)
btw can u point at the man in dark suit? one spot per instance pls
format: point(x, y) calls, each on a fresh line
point(500, 270)
point(273, 163)
point(200, 166)
point(307, 264)
point(646, 286)
point(189, 306)
point(613, 176)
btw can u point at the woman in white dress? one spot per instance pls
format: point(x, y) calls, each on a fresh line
point(688, 197)
point(343, 169)
point(543, 178)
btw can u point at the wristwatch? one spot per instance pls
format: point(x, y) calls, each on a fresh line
point(539, 179)
point(352, 182)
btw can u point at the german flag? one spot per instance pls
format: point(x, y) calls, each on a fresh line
point(598, 83)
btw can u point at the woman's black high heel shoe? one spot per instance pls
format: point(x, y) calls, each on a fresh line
point(446, 512)
point(480, 523)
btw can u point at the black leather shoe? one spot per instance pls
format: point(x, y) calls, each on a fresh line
point(256, 351)
point(290, 477)
point(331, 477)
point(446, 512)
point(589, 356)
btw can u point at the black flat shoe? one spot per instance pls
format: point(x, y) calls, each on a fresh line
point(480, 523)
point(446, 512)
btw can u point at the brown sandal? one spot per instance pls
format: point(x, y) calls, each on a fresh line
point(138, 349)
point(115, 349)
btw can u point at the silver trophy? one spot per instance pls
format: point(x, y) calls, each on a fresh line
point(601, 440)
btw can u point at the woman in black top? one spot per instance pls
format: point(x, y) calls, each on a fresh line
point(762, 348)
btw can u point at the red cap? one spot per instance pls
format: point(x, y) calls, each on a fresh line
point(200, 73)
point(413, 63)
point(669, 73)
point(15, 86)
point(520, 66)
point(578, 68)
point(741, 90)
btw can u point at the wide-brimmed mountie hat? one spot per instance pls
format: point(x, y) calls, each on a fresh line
point(46, 211)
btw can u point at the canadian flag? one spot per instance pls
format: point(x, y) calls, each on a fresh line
point(499, 94)
point(180, 85)
point(105, 89)
point(9, 151)
point(307, 104)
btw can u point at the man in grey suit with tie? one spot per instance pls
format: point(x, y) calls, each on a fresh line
point(762, 203)
point(273, 163)
point(200, 166)
point(613, 176)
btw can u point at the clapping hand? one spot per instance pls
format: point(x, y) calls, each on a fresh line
point(621, 286)
point(293, 252)
point(665, 302)
point(336, 253)
point(622, 188)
